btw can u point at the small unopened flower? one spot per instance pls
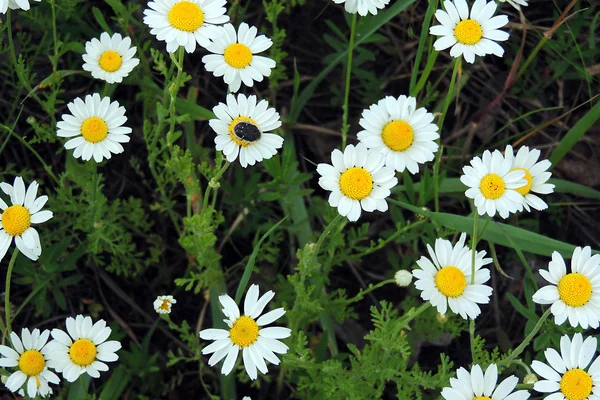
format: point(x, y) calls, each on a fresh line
point(163, 304)
point(530, 379)
point(403, 278)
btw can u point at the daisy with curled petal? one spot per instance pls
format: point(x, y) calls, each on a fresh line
point(16, 220)
point(477, 386)
point(234, 56)
point(565, 375)
point(83, 350)
point(536, 175)
point(95, 127)
point(363, 7)
point(445, 280)
point(469, 35)
point(574, 296)
point(185, 22)
point(358, 180)
point(401, 131)
point(30, 356)
point(110, 58)
point(516, 3)
point(14, 5)
point(243, 128)
point(492, 184)
point(163, 304)
point(247, 332)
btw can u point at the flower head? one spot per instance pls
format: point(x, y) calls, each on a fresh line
point(403, 278)
point(16, 220)
point(445, 280)
point(470, 33)
point(358, 180)
point(163, 304)
point(401, 131)
point(536, 175)
point(110, 58)
point(30, 355)
point(82, 349)
point(243, 128)
point(247, 332)
point(575, 295)
point(567, 374)
point(95, 127)
point(493, 185)
point(234, 56)
point(363, 7)
point(14, 5)
point(477, 386)
point(185, 22)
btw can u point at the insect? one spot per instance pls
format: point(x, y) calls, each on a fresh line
point(246, 131)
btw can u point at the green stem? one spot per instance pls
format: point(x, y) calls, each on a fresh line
point(11, 264)
point(94, 190)
point(345, 126)
point(213, 183)
point(414, 313)
point(516, 352)
point(11, 45)
point(326, 233)
point(473, 257)
point(431, 7)
point(368, 290)
point(55, 58)
point(173, 90)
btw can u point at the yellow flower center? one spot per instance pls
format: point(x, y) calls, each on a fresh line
point(110, 61)
point(356, 183)
point(468, 32)
point(83, 352)
point(166, 305)
point(16, 220)
point(450, 281)
point(186, 16)
point(575, 289)
point(482, 398)
point(238, 55)
point(492, 186)
point(576, 384)
point(398, 135)
point(526, 187)
point(31, 362)
point(244, 331)
point(244, 131)
point(94, 129)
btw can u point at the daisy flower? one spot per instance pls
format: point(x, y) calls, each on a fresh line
point(110, 58)
point(492, 184)
point(358, 180)
point(403, 278)
point(445, 280)
point(565, 374)
point(14, 5)
point(516, 3)
point(247, 333)
point(30, 356)
point(363, 7)
point(234, 56)
point(185, 22)
point(83, 350)
point(403, 133)
point(95, 127)
point(576, 295)
point(243, 128)
point(477, 386)
point(16, 220)
point(163, 304)
point(469, 35)
point(536, 175)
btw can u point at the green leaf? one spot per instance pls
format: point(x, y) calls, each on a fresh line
point(101, 21)
point(79, 388)
point(116, 384)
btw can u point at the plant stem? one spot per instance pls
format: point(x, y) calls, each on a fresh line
point(345, 126)
point(54, 36)
point(414, 313)
point(516, 352)
point(326, 233)
point(473, 257)
point(173, 90)
point(11, 264)
point(213, 183)
point(368, 290)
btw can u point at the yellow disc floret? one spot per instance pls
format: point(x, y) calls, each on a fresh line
point(576, 384)
point(356, 183)
point(482, 398)
point(575, 289)
point(232, 130)
point(32, 363)
point(238, 55)
point(398, 135)
point(525, 189)
point(468, 32)
point(16, 220)
point(450, 281)
point(186, 16)
point(492, 186)
point(83, 352)
point(244, 331)
point(110, 61)
point(166, 305)
point(94, 129)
